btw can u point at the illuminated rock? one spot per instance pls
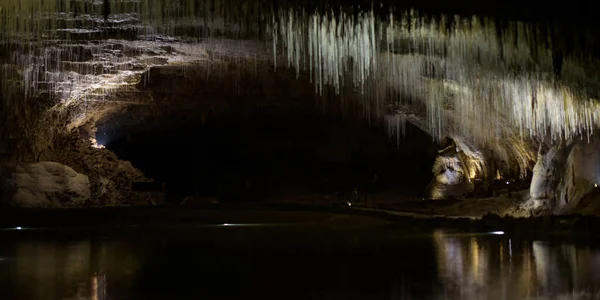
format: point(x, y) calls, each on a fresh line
point(546, 173)
point(451, 175)
point(564, 175)
point(44, 184)
point(581, 176)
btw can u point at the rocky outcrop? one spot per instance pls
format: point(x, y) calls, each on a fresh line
point(43, 184)
point(564, 175)
point(576, 192)
point(110, 178)
point(451, 175)
point(547, 174)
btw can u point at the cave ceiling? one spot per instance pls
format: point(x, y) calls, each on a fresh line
point(481, 79)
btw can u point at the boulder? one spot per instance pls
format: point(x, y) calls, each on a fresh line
point(43, 184)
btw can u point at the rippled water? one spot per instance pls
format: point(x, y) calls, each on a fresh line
point(291, 263)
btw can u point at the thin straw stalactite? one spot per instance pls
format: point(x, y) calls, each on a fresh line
point(466, 76)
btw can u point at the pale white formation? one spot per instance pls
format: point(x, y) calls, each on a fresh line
point(449, 170)
point(469, 79)
point(564, 175)
point(44, 184)
point(396, 126)
point(546, 174)
point(466, 76)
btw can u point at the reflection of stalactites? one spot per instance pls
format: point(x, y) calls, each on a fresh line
point(479, 266)
point(527, 279)
point(396, 126)
point(35, 263)
point(449, 260)
point(441, 247)
point(541, 259)
point(547, 269)
point(98, 290)
point(77, 262)
point(585, 265)
point(570, 254)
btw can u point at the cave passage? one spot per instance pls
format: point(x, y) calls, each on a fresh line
point(248, 157)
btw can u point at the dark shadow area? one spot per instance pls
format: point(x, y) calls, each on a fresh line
point(249, 157)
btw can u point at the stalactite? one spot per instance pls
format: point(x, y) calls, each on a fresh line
point(487, 82)
point(396, 126)
point(469, 75)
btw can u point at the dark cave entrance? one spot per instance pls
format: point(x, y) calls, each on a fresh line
point(248, 157)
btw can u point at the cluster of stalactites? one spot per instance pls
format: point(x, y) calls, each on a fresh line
point(65, 46)
point(396, 126)
point(331, 47)
point(39, 20)
point(472, 78)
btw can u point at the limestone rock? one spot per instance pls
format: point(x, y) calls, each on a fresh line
point(564, 175)
point(546, 173)
point(451, 175)
point(581, 176)
point(448, 170)
point(110, 178)
point(43, 184)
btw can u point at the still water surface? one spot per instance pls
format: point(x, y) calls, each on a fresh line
point(238, 262)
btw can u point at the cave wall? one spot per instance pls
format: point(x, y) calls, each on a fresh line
point(564, 175)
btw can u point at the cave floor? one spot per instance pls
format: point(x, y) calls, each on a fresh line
point(411, 216)
point(393, 203)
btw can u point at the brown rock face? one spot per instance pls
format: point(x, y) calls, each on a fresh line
point(110, 178)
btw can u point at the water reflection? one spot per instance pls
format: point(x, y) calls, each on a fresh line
point(251, 263)
point(98, 287)
point(70, 270)
point(482, 267)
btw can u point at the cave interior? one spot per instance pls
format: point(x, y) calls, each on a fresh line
point(307, 101)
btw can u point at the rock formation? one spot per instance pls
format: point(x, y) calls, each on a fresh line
point(43, 185)
point(563, 175)
point(452, 177)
